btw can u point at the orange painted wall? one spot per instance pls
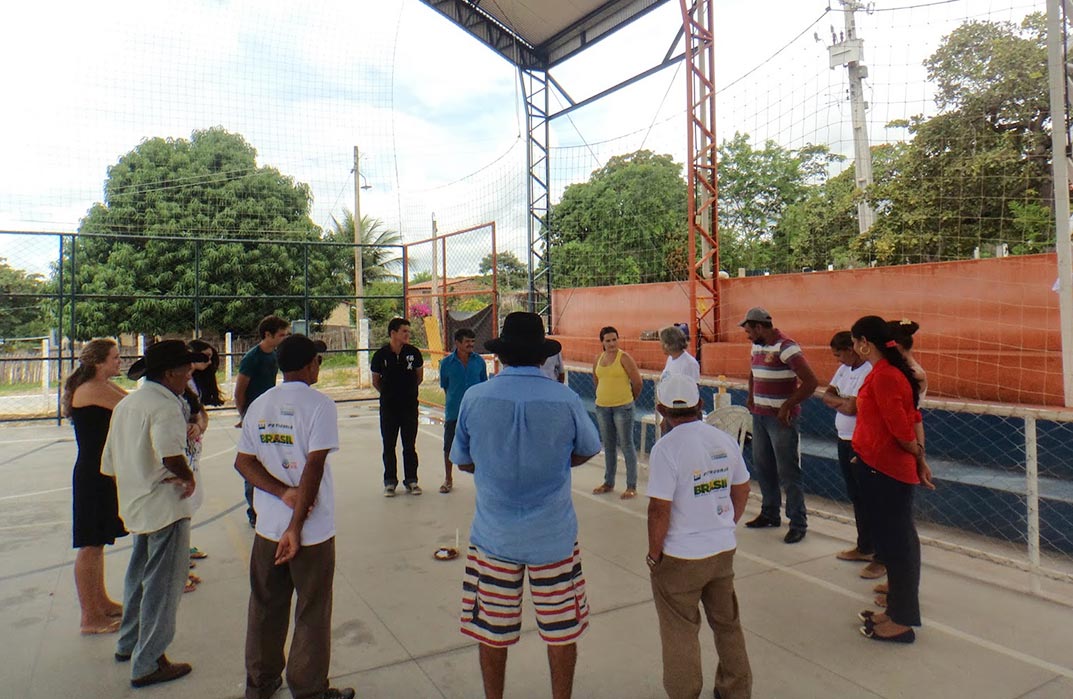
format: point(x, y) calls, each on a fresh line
point(989, 328)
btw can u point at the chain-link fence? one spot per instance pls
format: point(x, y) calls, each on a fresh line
point(1003, 473)
point(58, 290)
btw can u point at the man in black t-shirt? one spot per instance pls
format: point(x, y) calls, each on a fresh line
point(397, 372)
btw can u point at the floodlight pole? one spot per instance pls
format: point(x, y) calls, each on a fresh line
point(1060, 80)
point(698, 24)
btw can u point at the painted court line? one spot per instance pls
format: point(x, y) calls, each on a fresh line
point(36, 492)
point(1060, 670)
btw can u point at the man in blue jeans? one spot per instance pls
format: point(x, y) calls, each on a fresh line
point(779, 380)
point(146, 454)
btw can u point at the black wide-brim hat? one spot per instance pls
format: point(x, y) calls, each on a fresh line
point(523, 336)
point(166, 354)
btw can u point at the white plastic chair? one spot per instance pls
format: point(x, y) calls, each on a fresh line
point(735, 420)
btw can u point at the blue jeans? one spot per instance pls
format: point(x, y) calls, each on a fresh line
point(777, 461)
point(616, 432)
point(159, 562)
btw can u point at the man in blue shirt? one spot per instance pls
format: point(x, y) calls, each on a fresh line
point(520, 435)
point(458, 371)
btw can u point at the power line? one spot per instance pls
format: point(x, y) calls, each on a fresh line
point(912, 7)
point(768, 59)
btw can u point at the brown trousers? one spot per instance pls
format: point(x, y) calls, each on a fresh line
point(310, 574)
point(678, 585)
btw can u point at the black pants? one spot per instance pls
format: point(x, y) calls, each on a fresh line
point(395, 419)
point(853, 491)
point(888, 504)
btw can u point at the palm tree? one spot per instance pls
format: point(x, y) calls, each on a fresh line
point(381, 258)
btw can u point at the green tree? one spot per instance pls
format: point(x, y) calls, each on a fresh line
point(167, 191)
point(512, 273)
point(22, 303)
point(978, 173)
point(381, 251)
point(625, 225)
point(756, 186)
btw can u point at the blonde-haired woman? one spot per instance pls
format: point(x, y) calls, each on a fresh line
point(89, 397)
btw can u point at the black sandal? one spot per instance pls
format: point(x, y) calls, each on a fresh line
point(907, 636)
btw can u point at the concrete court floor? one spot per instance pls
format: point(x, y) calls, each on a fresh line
point(395, 621)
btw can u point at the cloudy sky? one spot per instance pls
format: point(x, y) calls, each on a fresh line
point(438, 116)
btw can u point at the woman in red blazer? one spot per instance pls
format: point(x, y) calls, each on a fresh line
point(890, 465)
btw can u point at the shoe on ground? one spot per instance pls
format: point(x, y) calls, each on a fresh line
point(762, 521)
point(166, 671)
point(122, 657)
point(794, 535)
point(853, 554)
point(873, 571)
point(389, 491)
point(414, 489)
point(334, 693)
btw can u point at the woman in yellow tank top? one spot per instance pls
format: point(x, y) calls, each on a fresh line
point(618, 383)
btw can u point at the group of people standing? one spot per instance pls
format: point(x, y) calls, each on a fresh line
point(519, 435)
point(876, 395)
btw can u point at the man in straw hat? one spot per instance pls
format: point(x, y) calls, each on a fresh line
point(697, 488)
point(145, 452)
point(287, 435)
point(520, 434)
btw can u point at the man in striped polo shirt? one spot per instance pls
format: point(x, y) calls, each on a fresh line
point(780, 379)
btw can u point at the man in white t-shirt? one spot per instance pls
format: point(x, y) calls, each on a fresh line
point(697, 487)
point(287, 434)
point(841, 396)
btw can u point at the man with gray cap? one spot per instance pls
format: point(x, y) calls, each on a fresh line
point(520, 434)
point(146, 453)
point(697, 488)
point(287, 435)
point(779, 380)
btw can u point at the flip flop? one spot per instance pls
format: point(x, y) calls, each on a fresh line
point(111, 627)
point(603, 488)
point(197, 553)
point(628, 494)
point(446, 488)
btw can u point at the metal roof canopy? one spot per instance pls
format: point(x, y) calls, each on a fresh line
point(537, 35)
point(540, 34)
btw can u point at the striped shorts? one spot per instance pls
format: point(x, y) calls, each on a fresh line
point(492, 599)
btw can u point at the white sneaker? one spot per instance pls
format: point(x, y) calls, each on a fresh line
point(389, 491)
point(414, 489)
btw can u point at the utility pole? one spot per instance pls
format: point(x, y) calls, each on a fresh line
point(435, 297)
point(1061, 82)
point(849, 52)
point(361, 323)
point(359, 290)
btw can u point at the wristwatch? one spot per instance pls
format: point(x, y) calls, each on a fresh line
point(651, 561)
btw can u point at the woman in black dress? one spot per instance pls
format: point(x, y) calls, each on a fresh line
point(89, 397)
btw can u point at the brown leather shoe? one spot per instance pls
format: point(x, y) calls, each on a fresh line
point(873, 571)
point(166, 671)
point(853, 554)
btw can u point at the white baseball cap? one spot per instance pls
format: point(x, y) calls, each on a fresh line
point(678, 391)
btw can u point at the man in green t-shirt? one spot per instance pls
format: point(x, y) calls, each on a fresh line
point(257, 374)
